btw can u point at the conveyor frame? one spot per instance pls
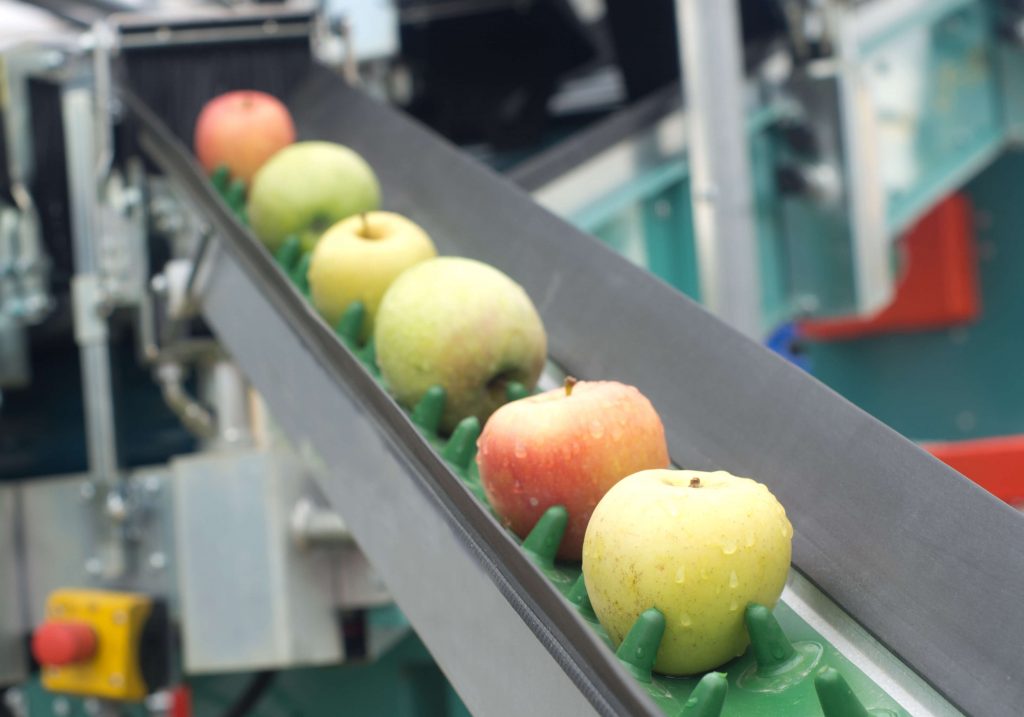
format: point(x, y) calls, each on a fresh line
point(907, 546)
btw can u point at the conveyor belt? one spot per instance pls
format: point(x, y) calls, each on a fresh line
point(925, 560)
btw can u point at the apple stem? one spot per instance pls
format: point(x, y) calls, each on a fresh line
point(366, 225)
point(695, 482)
point(569, 383)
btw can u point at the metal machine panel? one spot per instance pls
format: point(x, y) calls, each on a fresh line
point(253, 599)
point(72, 556)
point(12, 652)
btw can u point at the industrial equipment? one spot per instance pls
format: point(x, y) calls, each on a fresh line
point(254, 500)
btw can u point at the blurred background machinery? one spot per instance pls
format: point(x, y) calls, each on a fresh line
point(831, 177)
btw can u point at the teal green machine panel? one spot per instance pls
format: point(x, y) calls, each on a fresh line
point(969, 100)
point(650, 221)
point(963, 382)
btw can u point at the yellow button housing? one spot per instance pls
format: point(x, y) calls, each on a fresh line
point(113, 672)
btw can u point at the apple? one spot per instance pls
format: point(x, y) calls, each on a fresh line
point(567, 447)
point(698, 547)
point(462, 325)
point(359, 257)
point(241, 130)
point(305, 189)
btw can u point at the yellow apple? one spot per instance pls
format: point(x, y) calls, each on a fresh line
point(462, 325)
point(359, 257)
point(698, 547)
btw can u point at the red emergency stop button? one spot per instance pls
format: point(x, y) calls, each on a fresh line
point(63, 642)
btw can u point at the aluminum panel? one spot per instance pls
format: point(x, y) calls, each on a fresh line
point(251, 598)
point(13, 661)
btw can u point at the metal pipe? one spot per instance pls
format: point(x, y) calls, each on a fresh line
point(316, 526)
point(87, 294)
point(721, 184)
point(227, 391)
point(196, 419)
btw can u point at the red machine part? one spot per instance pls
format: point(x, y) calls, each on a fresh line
point(939, 286)
point(996, 464)
point(181, 701)
point(63, 642)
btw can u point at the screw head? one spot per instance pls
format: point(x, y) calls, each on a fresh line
point(88, 490)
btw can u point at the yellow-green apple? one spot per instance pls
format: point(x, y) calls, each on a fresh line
point(306, 188)
point(698, 547)
point(567, 447)
point(241, 130)
point(462, 325)
point(359, 257)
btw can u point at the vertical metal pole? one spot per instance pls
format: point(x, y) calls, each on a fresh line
point(721, 183)
point(90, 326)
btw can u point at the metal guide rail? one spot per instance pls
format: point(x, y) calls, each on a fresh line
point(904, 544)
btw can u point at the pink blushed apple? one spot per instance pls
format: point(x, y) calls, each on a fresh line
point(567, 447)
point(242, 130)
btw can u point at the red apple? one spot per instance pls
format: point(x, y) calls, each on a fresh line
point(242, 130)
point(567, 447)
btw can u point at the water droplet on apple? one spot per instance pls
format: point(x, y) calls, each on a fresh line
point(684, 620)
point(733, 580)
point(534, 502)
point(750, 539)
point(616, 433)
point(520, 449)
point(596, 429)
point(733, 605)
point(517, 487)
point(729, 546)
point(787, 530)
point(681, 575)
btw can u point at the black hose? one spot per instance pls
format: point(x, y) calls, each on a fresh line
point(252, 694)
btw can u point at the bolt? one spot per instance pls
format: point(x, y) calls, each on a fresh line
point(61, 707)
point(88, 490)
point(15, 701)
point(117, 508)
point(158, 284)
point(93, 566)
point(119, 617)
point(152, 483)
point(157, 560)
point(116, 680)
point(91, 705)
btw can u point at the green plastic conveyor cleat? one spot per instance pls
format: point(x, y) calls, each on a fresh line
point(708, 697)
point(541, 544)
point(427, 413)
point(461, 447)
point(287, 255)
point(579, 597)
point(640, 646)
point(836, 697)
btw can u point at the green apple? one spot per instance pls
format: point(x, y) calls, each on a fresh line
point(698, 547)
point(463, 325)
point(307, 187)
point(359, 257)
